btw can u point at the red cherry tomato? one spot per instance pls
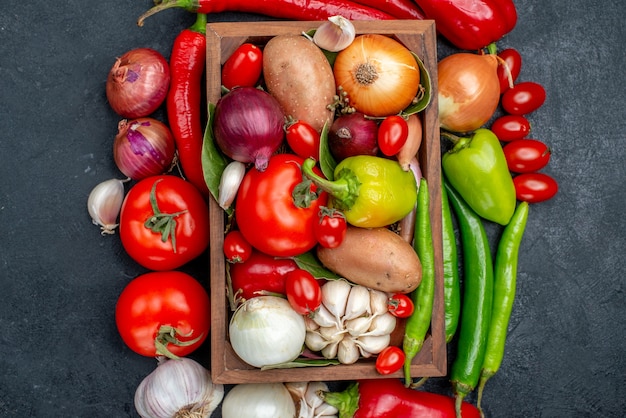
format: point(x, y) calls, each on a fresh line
point(162, 307)
point(400, 305)
point(243, 68)
point(392, 134)
point(178, 235)
point(511, 127)
point(390, 360)
point(331, 228)
point(236, 248)
point(526, 155)
point(523, 98)
point(304, 293)
point(512, 60)
point(260, 273)
point(266, 214)
point(303, 140)
point(535, 187)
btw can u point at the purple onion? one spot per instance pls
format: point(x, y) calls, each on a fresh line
point(353, 134)
point(248, 126)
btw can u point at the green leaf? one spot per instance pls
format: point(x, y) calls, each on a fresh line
point(310, 263)
point(303, 362)
point(213, 161)
point(327, 161)
point(425, 92)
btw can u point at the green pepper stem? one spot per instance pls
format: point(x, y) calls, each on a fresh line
point(492, 48)
point(450, 136)
point(199, 25)
point(346, 402)
point(344, 189)
point(189, 5)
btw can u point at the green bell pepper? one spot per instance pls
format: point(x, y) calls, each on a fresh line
point(477, 169)
point(371, 191)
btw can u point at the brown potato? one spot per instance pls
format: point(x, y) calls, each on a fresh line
point(298, 75)
point(376, 258)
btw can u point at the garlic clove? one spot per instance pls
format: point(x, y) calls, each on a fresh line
point(382, 324)
point(335, 34)
point(373, 343)
point(347, 351)
point(312, 394)
point(315, 341)
point(323, 317)
point(330, 351)
point(358, 326)
point(378, 302)
point(335, 297)
point(326, 410)
point(231, 179)
point(358, 303)
point(332, 334)
point(104, 204)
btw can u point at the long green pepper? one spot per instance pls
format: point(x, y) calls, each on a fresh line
point(451, 281)
point(505, 278)
point(418, 323)
point(477, 299)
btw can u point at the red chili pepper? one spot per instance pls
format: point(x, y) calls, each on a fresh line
point(399, 9)
point(471, 24)
point(284, 9)
point(187, 62)
point(389, 398)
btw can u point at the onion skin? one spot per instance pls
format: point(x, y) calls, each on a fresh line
point(143, 147)
point(469, 91)
point(248, 126)
point(353, 134)
point(138, 83)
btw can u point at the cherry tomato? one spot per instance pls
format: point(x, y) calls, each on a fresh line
point(526, 155)
point(511, 127)
point(260, 273)
point(390, 360)
point(303, 291)
point(164, 222)
point(243, 68)
point(303, 140)
point(513, 60)
point(266, 213)
point(392, 134)
point(535, 187)
point(236, 248)
point(163, 307)
point(331, 228)
point(400, 305)
point(523, 98)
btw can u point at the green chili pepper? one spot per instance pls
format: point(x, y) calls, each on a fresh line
point(371, 191)
point(477, 299)
point(418, 323)
point(477, 169)
point(505, 276)
point(451, 281)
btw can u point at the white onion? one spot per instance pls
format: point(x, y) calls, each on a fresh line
point(258, 400)
point(266, 331)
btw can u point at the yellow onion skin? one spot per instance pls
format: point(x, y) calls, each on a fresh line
point(468, 91)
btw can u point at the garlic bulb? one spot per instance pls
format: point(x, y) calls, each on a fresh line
point(310, 403)
point(231, 179)
point(178, 387)
point(335, 34)
point(104, 204)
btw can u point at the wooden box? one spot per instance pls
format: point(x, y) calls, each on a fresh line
point(226, 367)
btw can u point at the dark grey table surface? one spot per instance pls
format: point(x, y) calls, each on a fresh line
point(60, 353)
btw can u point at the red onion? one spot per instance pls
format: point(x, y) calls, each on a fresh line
point(353, 134)
point(143, 147)
point(248, 125)
point(138, 83)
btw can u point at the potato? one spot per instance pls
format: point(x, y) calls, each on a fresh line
point(376, 258)
point(298, 75)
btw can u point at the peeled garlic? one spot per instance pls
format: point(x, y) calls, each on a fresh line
point(177, 387)
point(231, 179)
point(335, 34)
point(104, 204)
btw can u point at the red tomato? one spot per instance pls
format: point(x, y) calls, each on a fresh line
point(260, 272)
point(511, 127)
point(303, 140)
point(535, 187)
point(156, 305)
point(331, 228)
point(390, 360)
point(303, 291)
point(236, 248)
point(526, 155)
point(180, 231)
point(265, 211)
point(243, 68)
point(523, 98)
point(392, 134)
point(513, 60)
point(400, 305)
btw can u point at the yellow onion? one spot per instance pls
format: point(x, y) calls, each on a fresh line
point(378, 74)
point(468, 91)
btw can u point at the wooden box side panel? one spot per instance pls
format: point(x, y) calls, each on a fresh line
point(226, 367)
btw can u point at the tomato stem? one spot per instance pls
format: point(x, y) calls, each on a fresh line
point(162, 223)
point(168, 335)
